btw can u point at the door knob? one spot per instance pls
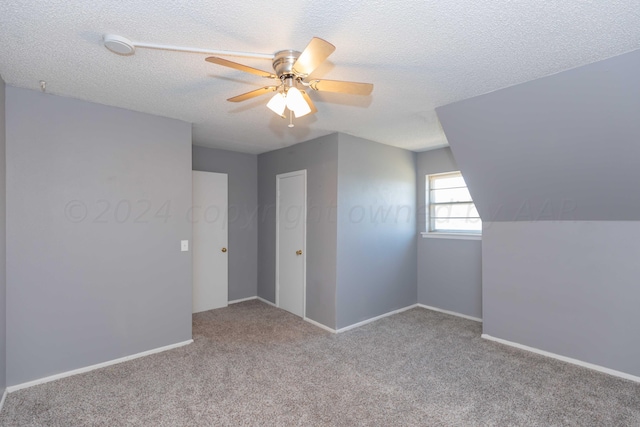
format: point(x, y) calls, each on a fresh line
point(299, 252)
point(224, 249)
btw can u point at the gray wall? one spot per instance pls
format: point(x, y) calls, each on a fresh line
point(242, 170)
point(449, 270)
point(320, 158)
point(3, 243)
point(86, 287)
point(571, 288)
point(537, 157)
point(376, 246)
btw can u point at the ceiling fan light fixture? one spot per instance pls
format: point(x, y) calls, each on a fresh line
point(277, 104)
point(297, 103)
point(302, 111)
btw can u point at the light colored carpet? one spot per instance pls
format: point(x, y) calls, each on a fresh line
point(255, 365)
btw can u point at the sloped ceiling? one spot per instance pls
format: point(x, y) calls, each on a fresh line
point(561, 148)
point(419, 55)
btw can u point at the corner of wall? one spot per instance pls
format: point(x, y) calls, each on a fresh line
point(3, 242)
point(449, 271)
point(376, 228)
point(320, 158)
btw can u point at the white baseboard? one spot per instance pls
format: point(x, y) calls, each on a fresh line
point(347, 328)
point(564, 358)
point(266, 301)
point(319, 325)
point(373, 319)
point(453, 313)
point(357, 325)
point(17, 387)
point(235, 301)
point(4, 396)
point(313, 322)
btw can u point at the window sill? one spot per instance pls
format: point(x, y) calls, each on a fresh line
point(462, 236)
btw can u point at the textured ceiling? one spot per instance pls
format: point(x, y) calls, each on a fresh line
point(419, 55)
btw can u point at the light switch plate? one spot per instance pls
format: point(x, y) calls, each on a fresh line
point(184, 245)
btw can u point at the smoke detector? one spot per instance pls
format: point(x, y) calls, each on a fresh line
point(119, 45)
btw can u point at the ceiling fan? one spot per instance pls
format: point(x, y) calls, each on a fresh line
point(292, 69)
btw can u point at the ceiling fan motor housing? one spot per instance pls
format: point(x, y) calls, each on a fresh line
point(283, 63)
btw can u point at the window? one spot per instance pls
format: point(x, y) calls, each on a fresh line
point(451, 209)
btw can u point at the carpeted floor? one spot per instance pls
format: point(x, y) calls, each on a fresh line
point(255, 365)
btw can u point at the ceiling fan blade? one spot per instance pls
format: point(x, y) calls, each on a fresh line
point(342, 87)
point(307, 98)
point(313, 55)
point(241, 67)
point(253, 94)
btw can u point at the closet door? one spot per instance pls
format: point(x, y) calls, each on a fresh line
point(291, 229)
point(210, 237)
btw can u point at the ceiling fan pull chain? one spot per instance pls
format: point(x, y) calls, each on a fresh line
point(290, 119)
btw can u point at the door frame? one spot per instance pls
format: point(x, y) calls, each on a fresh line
point(302, 172)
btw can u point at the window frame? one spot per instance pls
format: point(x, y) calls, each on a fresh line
point(446, 234)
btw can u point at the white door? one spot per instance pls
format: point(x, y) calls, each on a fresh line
point(210, 255)
point(291, 223)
